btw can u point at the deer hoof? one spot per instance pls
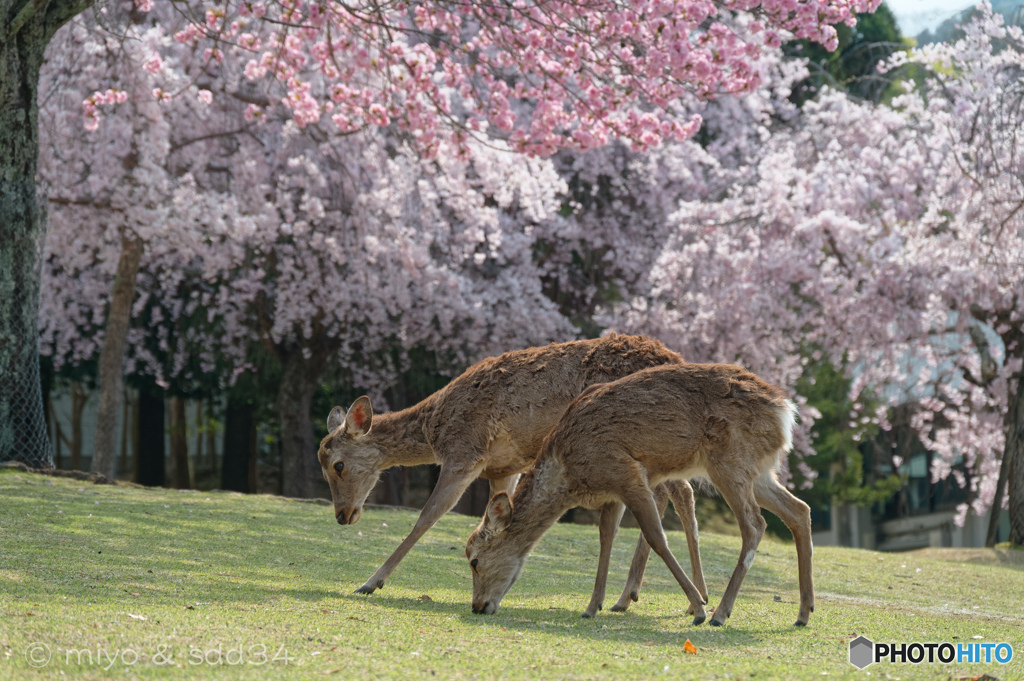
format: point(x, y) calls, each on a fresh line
point(800, 623)
point(618, 608)
point(715, 623)
point(586, 615)
point(365, 589)
point(699, 619)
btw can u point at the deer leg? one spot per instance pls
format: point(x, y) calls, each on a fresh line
point(631, 592)
point(645, 510)
point(796, 514)
point(450, 485)
point(682, 499)
point(611, 515)
point(748, 514)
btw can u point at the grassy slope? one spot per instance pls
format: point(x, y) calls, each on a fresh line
point(77, 561)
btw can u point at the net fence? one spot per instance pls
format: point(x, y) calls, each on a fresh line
point(23, 431)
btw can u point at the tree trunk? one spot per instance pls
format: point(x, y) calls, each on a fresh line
point(997, 502)
point(1014, 453)
point(474, 499)
point(25, 30)
point(119, 317)
point(254, 480)
point(126, 421)
point(211, 437)
point(179, 444)
point(149, 446)
point(238, 452)
point(78, 400)
point(200, 462)
point(300, 468)
point(393, 488)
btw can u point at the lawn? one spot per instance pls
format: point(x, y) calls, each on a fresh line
point(155, 583)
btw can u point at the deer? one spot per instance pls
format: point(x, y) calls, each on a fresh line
point(618, 441)
point(489, 422)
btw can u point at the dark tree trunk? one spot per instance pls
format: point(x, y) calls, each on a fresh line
point(300, 467)
point(199, 460)
point(997, 502)
point(149, 449)
point(124, 467)
point(211, 436)
point(238, 451)
point(474, 499)
point(119, 317)
point(26, 27)
point(79, 398)
point(1014, 453)
point(393, 488)
point(182, 464)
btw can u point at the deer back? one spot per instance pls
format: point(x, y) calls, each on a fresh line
point(518, 397)
point(676, 421)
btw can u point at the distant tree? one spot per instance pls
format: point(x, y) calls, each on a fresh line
point(949, 30)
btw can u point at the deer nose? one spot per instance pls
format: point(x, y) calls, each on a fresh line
point(348, 515)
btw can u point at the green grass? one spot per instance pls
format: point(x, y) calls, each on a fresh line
point(112, 569)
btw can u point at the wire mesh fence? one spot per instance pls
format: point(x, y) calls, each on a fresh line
point(23, 435)
point(23, 432)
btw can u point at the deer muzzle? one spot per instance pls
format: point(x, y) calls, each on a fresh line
point(349, 516)
point(485, 608)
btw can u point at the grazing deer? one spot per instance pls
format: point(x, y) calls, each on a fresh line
point(619, 440)
point(488, 422)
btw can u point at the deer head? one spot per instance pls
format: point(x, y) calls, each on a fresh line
point(494, 556)
point(350, 460)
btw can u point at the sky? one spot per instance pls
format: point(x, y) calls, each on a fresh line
point(916, 15)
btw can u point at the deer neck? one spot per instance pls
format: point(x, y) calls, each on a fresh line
point(541, 498)
point(399, 436)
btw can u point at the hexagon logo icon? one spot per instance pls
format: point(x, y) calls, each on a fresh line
point(862, 652)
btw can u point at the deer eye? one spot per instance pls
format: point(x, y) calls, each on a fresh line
point(338, 467)
point(473, 563)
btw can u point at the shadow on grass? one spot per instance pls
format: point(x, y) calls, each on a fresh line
point(632, 626)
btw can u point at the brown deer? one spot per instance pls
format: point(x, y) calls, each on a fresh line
point(619, 440)
point(488, 422)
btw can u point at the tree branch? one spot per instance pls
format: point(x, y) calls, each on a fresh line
point(27, 11)
point(61, 12)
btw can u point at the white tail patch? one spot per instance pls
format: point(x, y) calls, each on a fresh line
point(788, 417)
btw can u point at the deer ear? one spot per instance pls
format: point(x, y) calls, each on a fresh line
point(335, 420)
point(359, 417)
point(499, 512)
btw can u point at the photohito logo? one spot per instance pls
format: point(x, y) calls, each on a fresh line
point(865, 652)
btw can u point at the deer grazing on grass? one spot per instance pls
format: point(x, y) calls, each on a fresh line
point(488, 422)
point(619, 440)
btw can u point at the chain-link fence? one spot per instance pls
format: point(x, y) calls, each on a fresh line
point(23, 435)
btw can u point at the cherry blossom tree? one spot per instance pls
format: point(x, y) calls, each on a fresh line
point(887, 240)
point(542, 76)
point(323, 247)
